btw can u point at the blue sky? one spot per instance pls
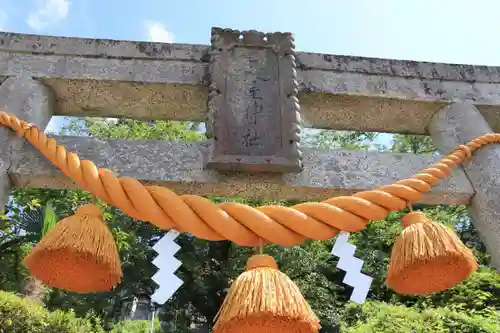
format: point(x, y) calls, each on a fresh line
point(457, 31)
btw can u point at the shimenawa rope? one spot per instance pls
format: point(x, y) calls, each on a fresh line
point(242, 224)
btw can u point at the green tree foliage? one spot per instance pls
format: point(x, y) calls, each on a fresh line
point(20, 230)
point(136, 326)
point(380, 317)
point(415, 144)
point(18, 315)
point(134, 130)
point(326, 139)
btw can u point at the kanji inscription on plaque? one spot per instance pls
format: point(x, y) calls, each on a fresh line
point(253, 108)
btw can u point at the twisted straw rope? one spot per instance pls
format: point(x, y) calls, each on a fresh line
point(242, 224)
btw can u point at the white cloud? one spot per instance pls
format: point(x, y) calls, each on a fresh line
point(159, 33)
point(47, 13)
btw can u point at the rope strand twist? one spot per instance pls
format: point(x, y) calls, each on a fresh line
point(239, 223)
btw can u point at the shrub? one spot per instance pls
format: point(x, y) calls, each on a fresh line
point(384, 318)
point(18, 315)
point(479, 294)
point(135, 326)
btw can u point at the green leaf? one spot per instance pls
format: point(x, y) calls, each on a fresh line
point(49, 218)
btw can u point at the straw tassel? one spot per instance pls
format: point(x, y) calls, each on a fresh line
point(427, 257)
point(264, 300)
point(78, 254)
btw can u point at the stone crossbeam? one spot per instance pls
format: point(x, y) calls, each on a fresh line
point(179, 166)
point(144, 80)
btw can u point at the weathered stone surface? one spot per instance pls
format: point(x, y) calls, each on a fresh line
point(401, 68)
point(337, 92)
point(460, 123)
point(121, 49)
point(373, 102)
point(180, 166)
point(99, 48)
point(31, 101)
point(97, 68)
point(130, 99)
point(253, 109)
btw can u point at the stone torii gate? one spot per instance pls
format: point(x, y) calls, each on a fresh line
point(247, 87)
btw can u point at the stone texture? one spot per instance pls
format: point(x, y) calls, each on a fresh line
point(99, 48)
point(31, 101)
point(376, 99)
point(121, 49)
point(364, 113)
point(130, 99)
point(253, 109)
point(97, 68)
point(401, 68)
point(459, 123)
point(180, 166)
point(337, 92)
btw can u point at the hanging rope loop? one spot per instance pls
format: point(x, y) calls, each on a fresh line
point(242, 224)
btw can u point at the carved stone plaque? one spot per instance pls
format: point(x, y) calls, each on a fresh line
point(254, 118)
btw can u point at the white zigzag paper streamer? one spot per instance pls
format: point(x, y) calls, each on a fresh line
point(352, 266)
point(167, 264)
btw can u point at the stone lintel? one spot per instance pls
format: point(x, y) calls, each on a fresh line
point(144, 80)
point(180, 166)
point(124, 49)
point(331, 100)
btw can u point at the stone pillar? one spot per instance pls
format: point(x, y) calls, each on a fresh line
point(459, 123)
point(28, 100)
